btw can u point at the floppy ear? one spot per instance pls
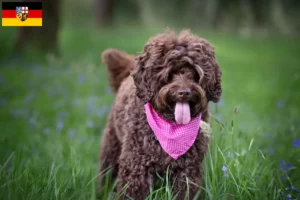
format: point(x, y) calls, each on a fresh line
point(142, 76)
point(214, 89)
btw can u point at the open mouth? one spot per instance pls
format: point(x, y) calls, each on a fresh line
point(182, 113)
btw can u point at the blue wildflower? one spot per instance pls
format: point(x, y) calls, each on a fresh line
point(61, 114)
point(285, 166)
point(102, 111)
point(52, 93)
point(231, 155)
point(90, 124)
point(76, 101)
point(81, 79)
point(3, 101)
point(47, 131)
point(296, 143)
point(225, 172)
point(60, 125)
point(272, 150)
point(288, 197)
point(19, 113)
point(295, 189)
point(221, 103)
point(224, 168)
point(93, 99)
point(219, 117)
point(108, 90)
point(36, 68)
point(71, 132)
point(269, 134)
point(90, 107)
point(280, 104)
point(32, 121)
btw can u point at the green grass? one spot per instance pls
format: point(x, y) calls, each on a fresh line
point(52, 115)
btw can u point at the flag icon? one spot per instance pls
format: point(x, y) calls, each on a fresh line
point(22, 14)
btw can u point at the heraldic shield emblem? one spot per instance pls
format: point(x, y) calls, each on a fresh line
point(22, 13)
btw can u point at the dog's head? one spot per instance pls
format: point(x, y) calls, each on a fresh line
point(178, 74)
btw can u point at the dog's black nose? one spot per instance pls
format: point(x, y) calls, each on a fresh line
point(184, 92)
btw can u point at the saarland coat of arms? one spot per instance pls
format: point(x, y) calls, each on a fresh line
point(22, 13)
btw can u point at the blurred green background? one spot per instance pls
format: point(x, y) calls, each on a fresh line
point(55, 96)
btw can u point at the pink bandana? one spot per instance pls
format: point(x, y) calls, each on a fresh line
point(175, 139)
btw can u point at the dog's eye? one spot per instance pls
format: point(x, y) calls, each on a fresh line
point(182, 72)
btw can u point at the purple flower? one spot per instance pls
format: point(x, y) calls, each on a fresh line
point(297, 143)
point(292, 189)
point(295, 189)
point(288, 197)
point(225, 172)
point(285, 166)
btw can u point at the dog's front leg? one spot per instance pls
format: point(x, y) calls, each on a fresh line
point(186, 183)
point(134, 177)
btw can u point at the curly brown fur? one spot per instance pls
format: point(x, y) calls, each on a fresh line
point(171, 68)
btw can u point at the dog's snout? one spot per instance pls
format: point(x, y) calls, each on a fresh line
point(184, 92)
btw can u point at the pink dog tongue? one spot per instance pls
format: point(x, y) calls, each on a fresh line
point(182, 113)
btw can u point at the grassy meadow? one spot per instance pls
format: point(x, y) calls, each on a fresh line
point(53, 111)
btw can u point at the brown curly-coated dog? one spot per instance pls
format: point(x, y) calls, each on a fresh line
point(168, 65)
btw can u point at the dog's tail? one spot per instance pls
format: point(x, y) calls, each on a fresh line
point(119, 65)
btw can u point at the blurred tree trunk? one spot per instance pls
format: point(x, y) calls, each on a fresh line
point(104, 12)
point(43, 38)
point(211, 12)
point(146, 14)
point(278, 17)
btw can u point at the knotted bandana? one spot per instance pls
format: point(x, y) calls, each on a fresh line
point(175, 139)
